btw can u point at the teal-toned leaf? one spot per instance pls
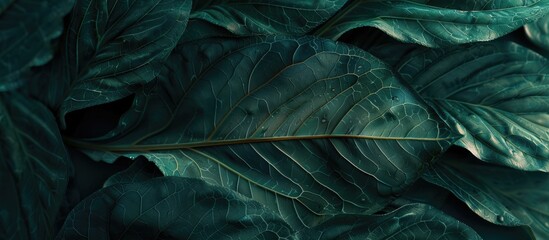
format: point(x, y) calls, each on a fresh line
point(496, 94)
point(34, 169)
point(510, 193)
point(171, 208)
point(140, 170)
point(413, 221)
point(424, 192)
point(433, 195)
point(306, 126)
point(481, 200)
point(47, 86)
point(199, 29)
point(27, 29)
point(247, 18)
point(538, 33)
point(114, 47)
point(436, 23)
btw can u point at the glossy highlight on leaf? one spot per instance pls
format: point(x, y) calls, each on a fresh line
point(34, 169)
point(171, 208)
point(436, 23)
point(511, 193)
point(302, 122)
point(413, 221)
point(28, 28)
point(496, 94)
point(112, 48)
point(279, 119)
point(538, 33)
point(247, 18)
point(483, 201)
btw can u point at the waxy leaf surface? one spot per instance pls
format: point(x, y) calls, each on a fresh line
point(412, 221)
point(481, 200)
point(246, 18)
point(538, 33)
point(307, 126)
point(436, 23)
point(114, 47)
point(496, 94)
point(516, 197)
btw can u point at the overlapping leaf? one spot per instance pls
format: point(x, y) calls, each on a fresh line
point(140, 170)
point(171, 208)
point(496, 94)
point(413, 221)
point(436, 23)
point(516, 197)
point(246, 18)
point(538, 32)
point(482, 200)
point(34, 169)
point(27, 29)
point(306, 126)
point(114, 47)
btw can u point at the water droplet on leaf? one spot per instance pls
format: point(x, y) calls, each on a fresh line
point(500, 218)
point(246, 219)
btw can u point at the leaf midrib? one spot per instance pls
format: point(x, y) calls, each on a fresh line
point(201, 144)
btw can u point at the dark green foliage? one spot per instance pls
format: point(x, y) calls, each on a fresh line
point(171, 208)
point(34, 170)
point(239, 119)
point(495, 94)
point(411, 221)
point(27, 30)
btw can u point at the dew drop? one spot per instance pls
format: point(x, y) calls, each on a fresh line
point(333, 89)
point(500, 218)
point(394, 98)
point(363, 199)
point(323, 120)
point(246, 219)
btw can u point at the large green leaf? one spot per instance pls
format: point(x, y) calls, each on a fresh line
point(481, 200)
point(413, 221)
point(171, 208)
point(489, 190)
point(28, 27)
point(251, 17)
point(307, 126)
point(34, 169)
point(436, 23)
point(114, 47)
point(538, 32)
point(496, 94)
